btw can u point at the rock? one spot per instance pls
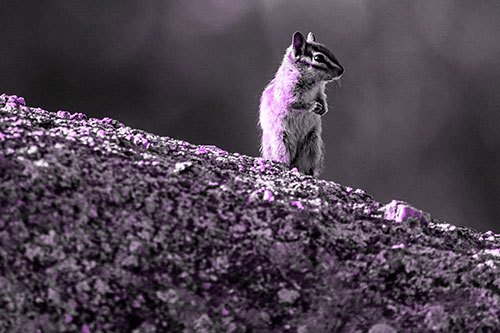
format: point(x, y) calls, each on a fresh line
point(382, 328)
point(106, 228)
point(398, 211)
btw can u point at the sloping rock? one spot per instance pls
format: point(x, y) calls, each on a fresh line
point(105, 228)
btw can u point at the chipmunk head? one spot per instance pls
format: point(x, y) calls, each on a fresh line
point(313, 60)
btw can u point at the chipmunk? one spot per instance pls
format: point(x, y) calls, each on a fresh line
point(292, 104)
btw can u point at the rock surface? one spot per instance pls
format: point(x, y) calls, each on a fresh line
point(105, 228)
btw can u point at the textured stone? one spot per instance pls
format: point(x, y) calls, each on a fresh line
point(106, 228)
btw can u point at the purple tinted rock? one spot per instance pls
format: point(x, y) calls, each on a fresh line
point(288, 295)
point(297, 204)
point(260, 164)
point(39, 110)
point(436, 319)
point(170, 246)
point(13, 100)
point(78, 115)
point(398, 211)
point(85, 131)
point(200, 150)
point(38, 133)
point(382, 328)
point(106, 120)
point(268, 196)
point(63, 114)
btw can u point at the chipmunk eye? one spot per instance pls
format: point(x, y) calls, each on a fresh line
point(319, 57)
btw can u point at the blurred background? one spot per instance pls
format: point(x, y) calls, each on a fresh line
point(416, 116)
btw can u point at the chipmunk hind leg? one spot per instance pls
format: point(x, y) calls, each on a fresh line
point(310, 154)
point(274, 147)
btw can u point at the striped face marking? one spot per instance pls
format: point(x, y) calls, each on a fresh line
point(321, 58)
point(315, 56)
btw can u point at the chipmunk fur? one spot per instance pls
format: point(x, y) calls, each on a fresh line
point(292, 104)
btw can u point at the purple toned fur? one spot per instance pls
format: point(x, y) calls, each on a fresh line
point(292, 104)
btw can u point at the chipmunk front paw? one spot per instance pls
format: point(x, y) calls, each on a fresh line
point(318, 108)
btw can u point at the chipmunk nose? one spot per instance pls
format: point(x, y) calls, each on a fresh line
point(340, 71)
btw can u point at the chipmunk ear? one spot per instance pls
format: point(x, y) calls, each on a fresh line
point(298, 43)
point(310, 37)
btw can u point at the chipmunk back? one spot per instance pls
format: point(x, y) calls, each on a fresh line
point(292, 104)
